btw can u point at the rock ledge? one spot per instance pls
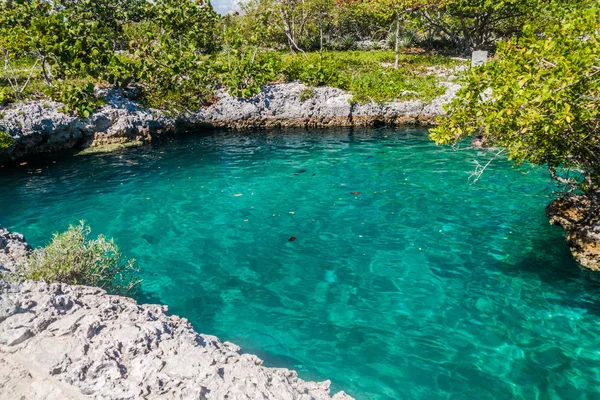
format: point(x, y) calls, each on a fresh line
point(75, 342)
point(583, 228)
point(40, 127)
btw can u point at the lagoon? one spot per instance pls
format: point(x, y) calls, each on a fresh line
point(364, 256)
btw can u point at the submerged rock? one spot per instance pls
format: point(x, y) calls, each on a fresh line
point(73, 342)
point(582, 223)
point(40, 127)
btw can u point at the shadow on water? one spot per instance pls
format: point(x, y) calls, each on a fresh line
point(551, 261)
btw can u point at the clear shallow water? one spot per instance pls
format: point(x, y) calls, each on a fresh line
point(421, 286)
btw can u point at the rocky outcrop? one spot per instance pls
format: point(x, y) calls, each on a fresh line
point(40, 127)
point(13, 250)
point(582, 223)
point(75, 342)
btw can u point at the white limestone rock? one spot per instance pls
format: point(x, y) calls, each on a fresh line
point(72, 342)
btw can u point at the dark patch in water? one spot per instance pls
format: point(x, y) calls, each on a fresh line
point(150, 239)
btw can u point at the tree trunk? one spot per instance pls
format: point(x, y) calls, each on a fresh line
point(396, 61)
point(320, 31)
point(466, 36)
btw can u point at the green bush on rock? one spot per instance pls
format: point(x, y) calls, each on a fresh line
point(73, 257)
point(5, 141)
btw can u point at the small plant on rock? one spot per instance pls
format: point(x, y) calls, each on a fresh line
point(73, 257)
point(5, 141)
point(307, 93)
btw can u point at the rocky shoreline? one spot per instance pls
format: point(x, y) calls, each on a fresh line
point(582, 223)
point(74, 342)
point(39, 127)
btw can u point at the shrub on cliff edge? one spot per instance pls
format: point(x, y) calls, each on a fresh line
point(5, 141)
point(73, 257)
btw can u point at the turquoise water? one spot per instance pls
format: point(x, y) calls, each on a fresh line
point(423, 286)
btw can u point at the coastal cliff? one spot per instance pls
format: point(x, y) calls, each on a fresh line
point(75, 342)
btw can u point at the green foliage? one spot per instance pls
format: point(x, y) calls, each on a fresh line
point(318, 70)
point(137, 32)
point(5, 95)
point(70, 43)
point(77, 99)
point(475, 24)
point(540, 99)
point(307, 93)
point(367, 75)
point(189, 25)
point(73, 257)
point(173, 66)
point(122, 71)
point(243, 67)
point(5, 141)
point(67, 44)
point(112, 14)
point(381, 86)
point(177, 53)
point(347, 42)
point(247, 71)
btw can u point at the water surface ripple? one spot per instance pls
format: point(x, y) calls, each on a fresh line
point(404, 281)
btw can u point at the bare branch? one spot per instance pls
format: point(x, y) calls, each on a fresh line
point(480, 169)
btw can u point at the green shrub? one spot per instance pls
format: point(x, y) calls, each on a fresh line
point(5, 140)
point(77, 99)
point(316, 71)
point(307, 93)
point(245, 72)
point(72, 257)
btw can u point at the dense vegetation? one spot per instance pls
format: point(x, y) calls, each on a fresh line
point(174, 54)
point(539, 101)
point(73, 257)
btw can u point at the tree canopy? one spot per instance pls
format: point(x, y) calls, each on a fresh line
point(539, 100)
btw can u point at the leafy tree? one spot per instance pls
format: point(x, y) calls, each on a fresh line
point(113, 14)
point(293, 20)
point(66, 42)
point(475, 24)
point(540, 100)
point(245, 67)
point(174, 66)
point(389, 10)
point(17, 40)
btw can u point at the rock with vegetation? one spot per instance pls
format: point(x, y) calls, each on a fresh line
point(581, 220)
point(73, 257)
point(59, 341)
point(41, 127)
